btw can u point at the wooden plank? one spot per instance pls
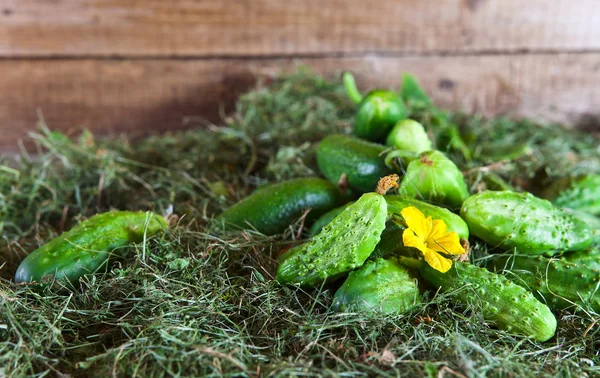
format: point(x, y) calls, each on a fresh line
point(195, 28)
point(114, 96)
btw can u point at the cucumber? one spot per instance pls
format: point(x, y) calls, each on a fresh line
point(324, 219)
point(454, 223)
point(409, 135)
point(577, 193)
point(87, 247)
point(520, 220)
point(509, 306)
point(271, 209)
point(343, 245)
point(377, 113)
point(559, 283)
point(391, 243)
point(592, 221)
point(361, 161)
point(391, 238)
point(589, 257)
point(435, 178)
point(382, 286)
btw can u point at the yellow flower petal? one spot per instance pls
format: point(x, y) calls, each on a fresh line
point(416, 221)
point(431, 238)
point(446, 243)
point(438, 229)
point(411, 240)
point(437, 261)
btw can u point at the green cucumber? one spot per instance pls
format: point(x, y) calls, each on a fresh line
point(435, 178)
point(454, 223)
point(592, 221)
point(363, 162)
point(87, 247)
point(382, 286)
point(271, 209)
point(589, 257)
point(559, 283)
point(392, 244)
point(409, 135)
point(324, 219)
point(343, 245)
point(520, 220)
point(391, 238)
point(577, 193)
point(377, 113)
point(509, 306)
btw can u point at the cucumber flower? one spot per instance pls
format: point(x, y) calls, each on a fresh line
point(431, 238)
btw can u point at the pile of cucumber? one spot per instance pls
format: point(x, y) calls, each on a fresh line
point(547, 254)
point(544, 252)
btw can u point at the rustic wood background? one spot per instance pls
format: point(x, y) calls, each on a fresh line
point(142, 65)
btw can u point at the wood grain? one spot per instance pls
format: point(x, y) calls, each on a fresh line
point(140, 96)
point(247, 28)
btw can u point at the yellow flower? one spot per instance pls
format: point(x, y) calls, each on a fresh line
point(430, 237)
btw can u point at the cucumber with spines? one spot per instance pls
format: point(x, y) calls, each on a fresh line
point(530, 224)
point(391, 242)
point(592, 221)
point(324, 219)
point(343, 245)
point(382, 286)
point(589, 257)
point(509, 306)
point(561, 283)
point(87, 247)
point(578, 193)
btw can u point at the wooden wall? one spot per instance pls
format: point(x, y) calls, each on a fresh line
point(142, 65)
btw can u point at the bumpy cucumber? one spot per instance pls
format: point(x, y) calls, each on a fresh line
point(392, 244)
point(324, 219)
point(520, 220)
point(588, 256)
point(435, 178)
point(454, 223)
point(391, 238)
point(270, 210)
point(382, 286)
point(509, 306)
point(88, 246)
point(343, 245)
point(592, 221)
point(577, 193)
point(559, 283)
point(361, 161)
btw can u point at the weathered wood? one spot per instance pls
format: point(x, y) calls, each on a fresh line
point(133, 96)
point(94, 28)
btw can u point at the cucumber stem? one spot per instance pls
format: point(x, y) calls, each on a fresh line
point(386, 183)
point(351, 89)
